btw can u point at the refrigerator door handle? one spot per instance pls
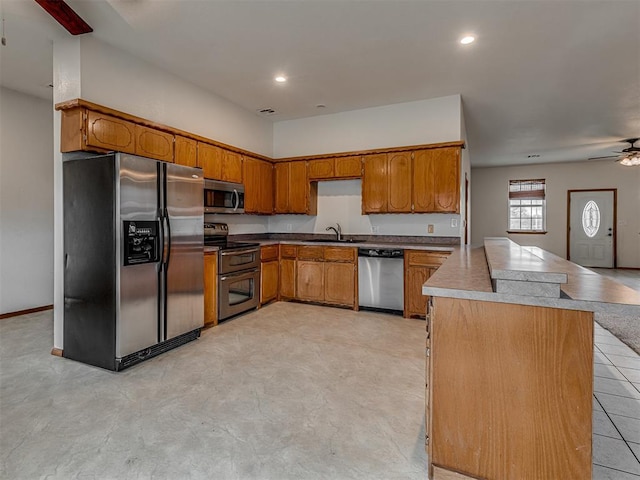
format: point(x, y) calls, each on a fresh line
point(168, 229)
point(162, 241)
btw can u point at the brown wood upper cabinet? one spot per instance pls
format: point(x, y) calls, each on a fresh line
point(84, 129)
point(153, 143)
point(386, 183)
point(436, 180)
point(335, 168)
point(293, 192)
point(186, 151)
point(219, 164)
point(423, 181)
point(258, 185)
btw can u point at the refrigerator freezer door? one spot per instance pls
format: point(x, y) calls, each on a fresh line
point(137, 322)
point(185, 266)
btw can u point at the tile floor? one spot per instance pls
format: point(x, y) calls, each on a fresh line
point(616, 409)
point(290, 391)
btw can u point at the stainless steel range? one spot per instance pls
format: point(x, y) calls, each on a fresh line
point(238, 271)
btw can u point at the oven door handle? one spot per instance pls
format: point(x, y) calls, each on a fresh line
point(239, 275)
point(225, 253)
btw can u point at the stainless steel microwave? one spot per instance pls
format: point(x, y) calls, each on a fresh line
point(223, 197)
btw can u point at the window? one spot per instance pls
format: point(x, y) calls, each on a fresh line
point(527, 206)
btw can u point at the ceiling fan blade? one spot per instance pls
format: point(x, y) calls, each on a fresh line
point(65, 16)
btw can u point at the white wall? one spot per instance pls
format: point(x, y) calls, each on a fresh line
point(26, 202)
point(340, 202)
point(490, 211)
point(116, 79)
point(412, 123)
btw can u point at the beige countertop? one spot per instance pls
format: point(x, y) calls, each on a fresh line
point(466, 274)
point(208, 249)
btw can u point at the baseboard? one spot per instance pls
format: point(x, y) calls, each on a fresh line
point(56, 351)
point(628, 268)
point(24, 312)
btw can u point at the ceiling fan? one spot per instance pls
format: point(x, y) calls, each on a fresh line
point(628, 157)
point(65, 16)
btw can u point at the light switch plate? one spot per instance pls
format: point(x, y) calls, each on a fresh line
point(454, 222)
point(430, 228)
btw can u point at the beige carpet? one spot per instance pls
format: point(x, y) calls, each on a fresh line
point(626, 328)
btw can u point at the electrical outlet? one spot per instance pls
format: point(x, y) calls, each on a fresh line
point(454, 222)
point(430, 228)
point(375, 228)
point(288, 227)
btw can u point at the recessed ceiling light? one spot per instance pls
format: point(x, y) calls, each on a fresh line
point(280, 79)
point(466, 40)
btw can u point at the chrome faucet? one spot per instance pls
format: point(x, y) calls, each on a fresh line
point(337, 230)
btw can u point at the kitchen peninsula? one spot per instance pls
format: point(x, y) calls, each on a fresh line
point(509, 362)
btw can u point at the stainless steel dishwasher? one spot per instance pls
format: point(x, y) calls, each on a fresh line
point(381, 279)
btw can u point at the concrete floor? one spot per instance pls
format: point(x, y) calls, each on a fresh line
point(288, 392)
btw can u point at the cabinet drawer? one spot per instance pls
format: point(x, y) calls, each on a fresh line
point(268, 253)
point(340, 254)
point(306, 252)
point(415, 257)
point(288, 251)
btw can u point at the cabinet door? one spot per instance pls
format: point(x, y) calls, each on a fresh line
point(348, 167)
point(423, 181)
point(399, 175)
point(374, 184)
point(287, 278)
point(231, 167)
point(447, 180)
point(110, 133)
point(269, 281)
point(210, 160)
point(211, 288)
point(339, 283)
point(415, 304)
point(265, 204)
point(281, 182)
point(298, 187)
point(310, 280)
point(252, 185)
point(186, 152)
point(153, 143)
point(321, 169)
point(436, 180)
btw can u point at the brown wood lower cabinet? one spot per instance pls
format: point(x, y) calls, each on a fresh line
point(339, 283)
point(509, 391)
point(419, 265)
point(269, 273)
point(211, 288)
point(310, 280)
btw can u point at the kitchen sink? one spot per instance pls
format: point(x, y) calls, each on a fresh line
point(348, 240)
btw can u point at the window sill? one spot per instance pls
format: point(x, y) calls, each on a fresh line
point(527, 232)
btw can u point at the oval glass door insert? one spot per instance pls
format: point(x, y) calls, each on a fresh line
point(591, 219)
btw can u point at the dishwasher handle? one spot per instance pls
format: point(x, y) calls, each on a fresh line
point(381, 252)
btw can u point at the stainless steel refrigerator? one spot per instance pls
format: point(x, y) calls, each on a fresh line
point(133, 258)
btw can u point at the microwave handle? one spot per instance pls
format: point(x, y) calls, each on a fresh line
point(236, 201)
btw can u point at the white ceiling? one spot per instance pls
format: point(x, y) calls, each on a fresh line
point(557, 78)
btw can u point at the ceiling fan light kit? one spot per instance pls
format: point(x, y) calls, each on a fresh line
point(631, 156)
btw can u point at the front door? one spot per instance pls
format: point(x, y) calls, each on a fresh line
point(592, 229)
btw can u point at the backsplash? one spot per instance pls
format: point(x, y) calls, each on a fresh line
point(341, 202)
